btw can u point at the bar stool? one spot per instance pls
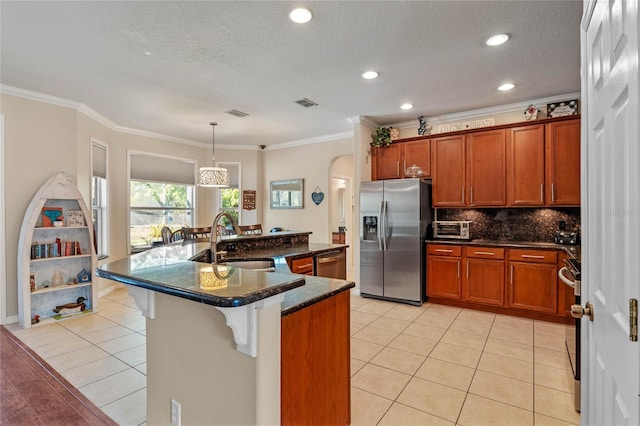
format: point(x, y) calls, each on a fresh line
point(194, 233)
point(251, 229)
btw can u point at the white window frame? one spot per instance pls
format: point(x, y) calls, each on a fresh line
point(131, 153)
point(219, 199)
point(101, 210)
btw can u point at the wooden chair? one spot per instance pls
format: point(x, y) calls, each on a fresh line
point(176, 235)
point(165, 233)
point(194, 233)
point(223, 230)
point(251, 229)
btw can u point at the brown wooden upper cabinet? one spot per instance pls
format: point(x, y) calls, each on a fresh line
point(525, 166)
point(449, 177)
point(486, 169)
point(563, 163)
point(392, 162)
point(519, 166)
point(470, 170)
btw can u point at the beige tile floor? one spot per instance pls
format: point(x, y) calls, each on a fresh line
point(428, 365)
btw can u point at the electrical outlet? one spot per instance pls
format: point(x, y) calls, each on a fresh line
point(175, 413)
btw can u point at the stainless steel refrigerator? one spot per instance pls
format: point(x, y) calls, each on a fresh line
point(394, 218)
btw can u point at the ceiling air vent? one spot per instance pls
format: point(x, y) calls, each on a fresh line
point(237, 113)
point(306, 103)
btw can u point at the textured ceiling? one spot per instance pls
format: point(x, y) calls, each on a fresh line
point(172, 67)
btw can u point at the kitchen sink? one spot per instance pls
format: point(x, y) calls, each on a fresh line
point(258, 264)
point(266, 264)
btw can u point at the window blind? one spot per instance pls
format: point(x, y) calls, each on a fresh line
point(98, 160)
point(151, 168)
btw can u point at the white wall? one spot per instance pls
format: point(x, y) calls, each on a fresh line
point(251, 179)
point(311, 162)
point(42, 139)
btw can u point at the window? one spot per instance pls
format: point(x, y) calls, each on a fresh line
point(229, 198)
point(161, 193)
point(99, 197)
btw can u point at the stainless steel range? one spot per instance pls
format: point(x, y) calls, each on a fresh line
point(570, 275)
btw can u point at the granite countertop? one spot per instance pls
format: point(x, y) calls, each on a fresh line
point(167, 269)
point(573, 251)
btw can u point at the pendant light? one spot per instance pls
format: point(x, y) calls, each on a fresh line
point(213, 177)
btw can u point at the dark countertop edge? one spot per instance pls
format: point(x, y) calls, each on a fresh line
point(223, 302)
point(312, 301)
point(512, 244)
point(315, 252)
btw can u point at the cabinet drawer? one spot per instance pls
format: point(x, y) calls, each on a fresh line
point(444, 250)
point(485, 252)
point(303, 265)
point(534, 256)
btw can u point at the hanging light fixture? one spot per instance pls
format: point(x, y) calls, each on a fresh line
point(214, 177)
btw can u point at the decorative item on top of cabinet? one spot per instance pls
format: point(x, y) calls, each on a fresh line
point(531, 113)
point(381, 137)
point(57, 254)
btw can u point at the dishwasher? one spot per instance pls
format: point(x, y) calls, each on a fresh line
point(331, 265)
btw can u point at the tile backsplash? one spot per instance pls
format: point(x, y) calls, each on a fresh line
point(515, 224)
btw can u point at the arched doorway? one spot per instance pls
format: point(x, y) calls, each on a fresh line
point(341, 203)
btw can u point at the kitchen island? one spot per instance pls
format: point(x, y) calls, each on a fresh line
point(215, 335)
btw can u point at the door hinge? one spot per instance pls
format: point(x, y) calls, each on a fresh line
point(633, 320)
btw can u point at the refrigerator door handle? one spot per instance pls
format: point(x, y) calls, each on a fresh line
point(385, 226)
point(380, 225)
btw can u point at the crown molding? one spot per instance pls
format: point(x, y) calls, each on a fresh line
point(309, 141)
point(91, 113)
point(238, 147)
point(482, 112)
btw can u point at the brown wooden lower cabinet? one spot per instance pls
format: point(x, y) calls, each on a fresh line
point(444, 265)
point(316, 364)
point(484, 275)
point(519, 282)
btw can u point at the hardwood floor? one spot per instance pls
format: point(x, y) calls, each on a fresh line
point(33, 393)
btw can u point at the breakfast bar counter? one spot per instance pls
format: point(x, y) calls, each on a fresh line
point(229, 345)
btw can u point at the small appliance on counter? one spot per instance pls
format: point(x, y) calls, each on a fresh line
point(565, 237)
point(452, 229)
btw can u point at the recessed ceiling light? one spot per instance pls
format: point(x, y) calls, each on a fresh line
point(147, 53)
point(406, 106)
point(301, 15)
point(497, 39)
point(506, 86)
point(370, 75)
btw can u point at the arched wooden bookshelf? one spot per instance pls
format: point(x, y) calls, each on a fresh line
point(49, 253)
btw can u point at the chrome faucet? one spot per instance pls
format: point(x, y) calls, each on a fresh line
point(213, 239)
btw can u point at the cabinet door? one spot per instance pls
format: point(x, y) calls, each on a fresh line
point(563, 163)
point(533, 286)
point(443, 277)
point(386, 162)
point(418, 153)
point(487, 168)
point(484, 281)
point(525, 166)
point(448, 171)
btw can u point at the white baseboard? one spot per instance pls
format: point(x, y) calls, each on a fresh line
point(106, 291)
point(11, 320)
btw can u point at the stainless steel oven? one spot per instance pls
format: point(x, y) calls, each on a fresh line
point(570, 275)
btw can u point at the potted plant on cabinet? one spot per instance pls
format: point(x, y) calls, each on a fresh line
point(381, 137)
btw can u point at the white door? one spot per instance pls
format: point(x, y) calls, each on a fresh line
point(611, 211)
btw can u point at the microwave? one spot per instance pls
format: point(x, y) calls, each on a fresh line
point(452, 229)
